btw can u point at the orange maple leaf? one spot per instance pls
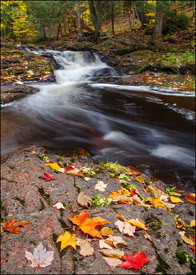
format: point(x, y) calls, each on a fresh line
point(13, 226)
point(88, 225)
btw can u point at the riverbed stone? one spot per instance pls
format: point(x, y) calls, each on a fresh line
point(27, 196)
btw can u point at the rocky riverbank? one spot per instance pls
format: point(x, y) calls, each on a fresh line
point(34, 181)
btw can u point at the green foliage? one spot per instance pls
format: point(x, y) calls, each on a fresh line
point(99, 201)
point(182, 256)
point(168, 190)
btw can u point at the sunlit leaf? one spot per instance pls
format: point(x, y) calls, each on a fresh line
point(67, 239)
point(175, 199)
point(185, 239)
point(135, 261)
point(88, 225)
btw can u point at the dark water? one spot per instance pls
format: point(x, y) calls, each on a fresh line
point(149, 128)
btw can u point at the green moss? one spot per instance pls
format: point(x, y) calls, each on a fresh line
point(182, 256)
point(162, 265)
point(20, 200)
point(179, 243)
point(63, 224)
point(3, 178)
point(154, 222)
point(3, 209)
point(44, 195)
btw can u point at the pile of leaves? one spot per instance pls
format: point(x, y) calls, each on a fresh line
point(19, 66)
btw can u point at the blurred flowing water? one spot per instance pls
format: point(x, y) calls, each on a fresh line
point(150, 128)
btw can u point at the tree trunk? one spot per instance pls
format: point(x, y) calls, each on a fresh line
point(96, 19)
point(79, 22)
point(142, 18)
point(112, 17)
point(157, 32)
point(58, 32)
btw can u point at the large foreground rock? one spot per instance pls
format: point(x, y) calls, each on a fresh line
point(27, 196)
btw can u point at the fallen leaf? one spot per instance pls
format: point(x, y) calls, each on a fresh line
point(115, 241)
point(156, 203)
point(62, 170)
point(185, 239)
point(54, 165)
point(106, 231)
point(84, 200)
point(87, 178)
point(75, 173)
point(13, 226)
point(192, 224)
point(103, 244)
point(138, 223)
point(67, 239)
point(123, 199)
point(114, 253)
point(68, 168)
point(168, 205)
point(147, 236)
point(190, 198)
point(135, 261)
point(155, 191)
point(175, 199)
point(40, 257)
point(140, 179)
point(132, 171)
point(59, 205)
point(123, 192)
point(125, 228)
point(101, 186)
point(112, 261)
point(180, 223)
point(47, 176)
point(193, 237)
point(85, 248)
point(88, 225)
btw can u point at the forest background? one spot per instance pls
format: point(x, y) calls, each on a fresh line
point(152, 35)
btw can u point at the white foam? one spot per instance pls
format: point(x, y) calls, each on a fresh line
point(175, 153)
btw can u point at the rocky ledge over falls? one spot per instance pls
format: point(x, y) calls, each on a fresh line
point(34, 181)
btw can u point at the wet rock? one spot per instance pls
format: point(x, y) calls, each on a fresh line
point(10, 93)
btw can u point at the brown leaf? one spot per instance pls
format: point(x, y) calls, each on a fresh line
point(13, 226)
point(125, 228)
point(190, 198)
point(112, 261)
point(84, 200)
point(103, 244)
point(114, 253)
point(85, 248)
point(115, 241)
point(147, 236)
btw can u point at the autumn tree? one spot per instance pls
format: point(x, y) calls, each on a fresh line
point(157, 32)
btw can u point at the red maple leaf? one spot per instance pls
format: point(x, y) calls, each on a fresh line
point(135, 261)
point(47, 176)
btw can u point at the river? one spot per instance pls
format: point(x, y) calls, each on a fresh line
point(151, 128)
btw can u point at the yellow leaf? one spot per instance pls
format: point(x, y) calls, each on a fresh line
point(185, 239)
point(140, 179)
point(106, 231)
point(138, 223)
point(175, 199)
point(54, 165)
point(192, 223)
point(67, 239)
point(155, 203)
